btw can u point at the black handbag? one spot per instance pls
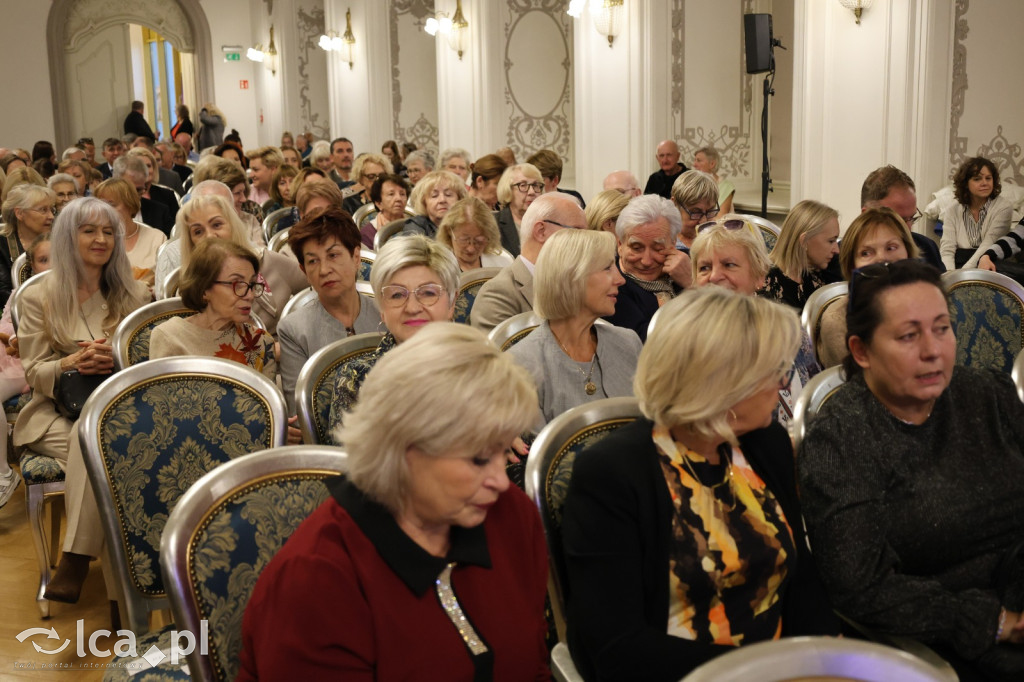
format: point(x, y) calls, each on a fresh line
point(73, 389)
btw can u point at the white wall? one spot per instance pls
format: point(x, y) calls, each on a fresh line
point(25, 79)
point(231, 24)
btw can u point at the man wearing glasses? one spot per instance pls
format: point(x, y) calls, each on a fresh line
point(510, 292)
point(890, 187)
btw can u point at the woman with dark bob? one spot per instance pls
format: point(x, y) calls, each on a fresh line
point(66, 320)
point(682, 531)
point(424, 562)
point(912, 477)
point(389, 194)
point(978, 219)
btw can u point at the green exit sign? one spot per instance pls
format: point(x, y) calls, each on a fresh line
point(232, 56)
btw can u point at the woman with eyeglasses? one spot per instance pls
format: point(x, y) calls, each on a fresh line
point(518, 187)
point(804, 255)
point(432, 197)
point(415, 281)
point(682, 531)
point(365, 170)
point(730, 253)
point(695, 194)
point(66, 321)
point(912, 479)
point(978, 219)
point(65, 187)
point(470, 231)
point(572, 359)
point(28, 211)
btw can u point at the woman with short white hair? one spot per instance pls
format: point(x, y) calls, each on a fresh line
point(320, 157)
point(572, 359)
point(415, 281)
point(691, 512)
point(424, 558)
point(518, 187)
point(457, 160)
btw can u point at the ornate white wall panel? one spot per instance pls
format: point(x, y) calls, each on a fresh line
point(309, 71)
point(413, 74)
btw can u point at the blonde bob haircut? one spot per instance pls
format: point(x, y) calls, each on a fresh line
point(567, 260)
point(363, 159)
point(470, 211)
point(239, 232)
point(805, 220)
point(120, 190)
point(722, 347)
point(489, 399)
point(439, 179)
point(749, 238)
point(528, 170)
point(694, 186)
point(406, 251)
point(605, 206)
point(864, 225)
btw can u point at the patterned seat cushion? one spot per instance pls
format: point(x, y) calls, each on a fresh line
point(138, 343)
point(464, 302)
point(232, 548)
point(987, 323)
point(37, 469)
point(160, 437)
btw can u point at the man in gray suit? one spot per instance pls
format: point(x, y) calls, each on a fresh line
point(511, 290)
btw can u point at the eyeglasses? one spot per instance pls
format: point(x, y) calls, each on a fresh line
point(525, 187)
point(562, 225)
point(241, 288)
point(914, 218)
point(702, 215)
point(731, 225)
point(395, 296)
point(478, 242)
point(787, 379)
point(44, 210)
point(67, 195)
point(372, 177)
point(857, 277)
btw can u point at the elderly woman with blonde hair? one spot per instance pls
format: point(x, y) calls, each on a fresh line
point(415, 281)
point(470, 231)
point(365, 171)
point(424, 557)
point(804, 255)
point(692, 511)
point(28, 211)
point(518, 187)
point(604, 209)
point(432, 198)
point(695, 194)
point(573, 359)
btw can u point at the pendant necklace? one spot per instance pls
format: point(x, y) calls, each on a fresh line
point(589, 387)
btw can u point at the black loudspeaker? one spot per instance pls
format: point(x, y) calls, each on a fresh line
point(757, 34)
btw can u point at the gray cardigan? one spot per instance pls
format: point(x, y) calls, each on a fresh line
point(560, 384)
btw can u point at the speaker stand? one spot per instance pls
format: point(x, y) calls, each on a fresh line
point(766, 180)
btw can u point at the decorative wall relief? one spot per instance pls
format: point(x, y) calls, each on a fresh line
point(733, 142)
point(538, 79)
point(1006, 156)
point(313, 104)
point(957, 144)
point(418, 122)
point(86, 17)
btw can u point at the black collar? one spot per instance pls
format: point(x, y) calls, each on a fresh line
point(414, 565)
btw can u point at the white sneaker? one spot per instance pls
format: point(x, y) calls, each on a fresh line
point(8, 484)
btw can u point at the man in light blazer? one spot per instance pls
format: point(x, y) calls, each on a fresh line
point(510, 292)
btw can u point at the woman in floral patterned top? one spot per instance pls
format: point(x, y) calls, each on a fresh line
point(220, 284)
point(804, 257)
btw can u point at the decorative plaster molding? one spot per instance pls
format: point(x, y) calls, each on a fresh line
point(423, 132)
point(309, 26)
point(1006, 156)
point(86, 17)
point(957, 144)
point(553, 129)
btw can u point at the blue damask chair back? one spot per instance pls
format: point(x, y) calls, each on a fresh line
point(150, 432)
point(366, 260)
point(549, 470)
point(314, 387)
point(131, 338)
point(988, 309)
point(469, 286)
point(224, 532)
point(769, 230)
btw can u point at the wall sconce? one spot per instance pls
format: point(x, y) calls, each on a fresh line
point(455, 29)
point(268, 58)
point(332, 42)
point(607, 14)
point(857, 6)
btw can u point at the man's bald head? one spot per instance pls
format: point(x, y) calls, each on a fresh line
point(623, 182)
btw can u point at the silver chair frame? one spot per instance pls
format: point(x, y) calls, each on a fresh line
point(510, 331)
point(189, 517)
point(165, 308)
point(19, 269)
point(18, 293)
point(387, 232)
point(819, 389)
point(271, 221)
point(810, 317)
point(300, 300)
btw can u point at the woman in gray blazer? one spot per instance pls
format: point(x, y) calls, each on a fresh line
point(572, 359)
